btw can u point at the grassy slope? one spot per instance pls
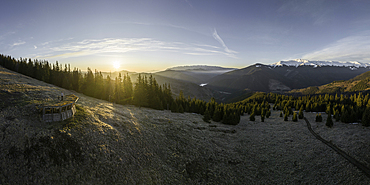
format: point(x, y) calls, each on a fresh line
point(359, 83)
point(107, 143)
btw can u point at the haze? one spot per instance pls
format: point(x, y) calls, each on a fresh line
point(147, 35)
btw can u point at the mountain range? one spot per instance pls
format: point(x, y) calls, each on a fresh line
point(226, 84)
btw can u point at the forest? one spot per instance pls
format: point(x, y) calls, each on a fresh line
point(147, 93)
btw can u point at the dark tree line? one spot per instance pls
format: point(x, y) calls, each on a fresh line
point(347, 109)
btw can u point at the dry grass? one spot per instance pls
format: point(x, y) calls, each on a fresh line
point(130, 145)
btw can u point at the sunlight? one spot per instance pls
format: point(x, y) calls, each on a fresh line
point(116, 64)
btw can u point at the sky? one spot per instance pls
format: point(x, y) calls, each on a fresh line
point(152, 35)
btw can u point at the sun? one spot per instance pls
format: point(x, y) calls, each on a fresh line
point(116, 65)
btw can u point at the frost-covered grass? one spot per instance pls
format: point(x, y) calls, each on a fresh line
point(116, 144)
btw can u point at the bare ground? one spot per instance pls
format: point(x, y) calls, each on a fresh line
point(116, 144)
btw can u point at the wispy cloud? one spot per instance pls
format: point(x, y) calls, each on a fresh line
point(18, 43)
point(227, 50)
point(125, 45)
point(34, 46)
point(352, 48)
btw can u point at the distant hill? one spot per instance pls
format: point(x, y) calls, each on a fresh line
point(358, 83)
point(230, 84)
point(199, 74)
point(284, 76)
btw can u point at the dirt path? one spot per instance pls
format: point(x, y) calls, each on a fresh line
point(352, 160)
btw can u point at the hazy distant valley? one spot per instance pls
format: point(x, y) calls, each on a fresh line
point(231, 84)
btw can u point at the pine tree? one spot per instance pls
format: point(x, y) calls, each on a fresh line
point(366, 117)
point(217, 115)
point(329, 121)
point(300, 114)
point(285, 117)
point(336, 116)
point(268, 114)
point(206, 116)
point(174, 107)
point(295, 119)
point(252, 117)
point(262, 118)
point(318, 118)
point(281, 114)
point(181, 109)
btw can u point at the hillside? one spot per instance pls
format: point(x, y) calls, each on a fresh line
point(197, 74)
point(358, 83)
point(115, 144)
point(281, 77)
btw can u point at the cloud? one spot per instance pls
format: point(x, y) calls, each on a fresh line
point(126, 45)
point(227, 50)
point(352, 48)
point(18, 43)
point(34, 46)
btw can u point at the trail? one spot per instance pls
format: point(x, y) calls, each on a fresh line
point(352, 160)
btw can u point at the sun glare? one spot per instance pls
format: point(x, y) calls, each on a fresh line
point(116, 65)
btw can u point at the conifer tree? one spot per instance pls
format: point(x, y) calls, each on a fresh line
point(366, 117)
point(206, 116)
point(329, 121)
point(336, 115)
point(268, 114)
point(181, 109)
point(285, 117)
point(252, 117)
point(295, 119)
point(262, 118)
point(300, 114)
point(174, 107)
point(217, 115)
point(318, 118)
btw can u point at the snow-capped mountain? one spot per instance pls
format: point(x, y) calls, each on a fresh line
point(303, 62)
